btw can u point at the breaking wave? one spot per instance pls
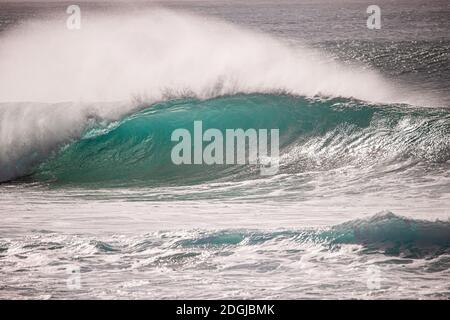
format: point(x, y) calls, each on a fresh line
point(169, 68)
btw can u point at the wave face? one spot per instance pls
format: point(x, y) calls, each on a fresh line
point(315, 135)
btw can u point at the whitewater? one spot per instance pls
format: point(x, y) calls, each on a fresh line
point(358, 209)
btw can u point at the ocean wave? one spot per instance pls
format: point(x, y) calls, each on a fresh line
point(384, 233)
point(386, 250)
point(315, 135)
point(159, 56)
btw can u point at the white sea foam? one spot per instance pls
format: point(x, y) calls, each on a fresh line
point(151, 54)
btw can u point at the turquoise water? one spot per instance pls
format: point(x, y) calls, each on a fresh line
point(136, 150)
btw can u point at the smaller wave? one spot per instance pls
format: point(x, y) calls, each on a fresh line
point(395, 235)
point(340, 257)
point(384, 233)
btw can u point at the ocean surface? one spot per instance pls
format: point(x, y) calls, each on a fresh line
point(91, 205)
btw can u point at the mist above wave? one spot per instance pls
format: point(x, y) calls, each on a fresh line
point(159, 53)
